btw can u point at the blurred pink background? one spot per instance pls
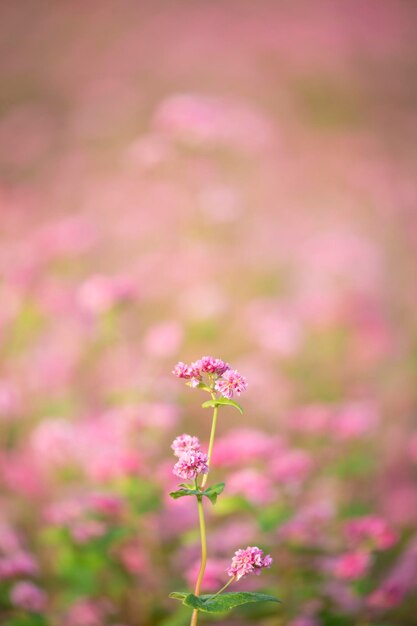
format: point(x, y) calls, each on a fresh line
point(185, 178)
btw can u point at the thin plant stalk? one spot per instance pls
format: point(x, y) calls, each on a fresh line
point(211, 443)
point(203, 537)
point(229, 582)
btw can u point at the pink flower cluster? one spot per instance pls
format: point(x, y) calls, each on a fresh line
point(221, 377)
point(192, 461)
point(230, 383)
point(191, 464)
point(247, 561)
point(185, 443)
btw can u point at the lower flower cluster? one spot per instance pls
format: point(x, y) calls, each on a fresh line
point(248, 561)
point(192, 461)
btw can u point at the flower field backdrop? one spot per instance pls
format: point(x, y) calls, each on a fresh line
point(186, 178)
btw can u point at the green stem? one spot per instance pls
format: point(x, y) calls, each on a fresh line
point(203, 536)
point(229, 582)
point(194, 617)
point(211, 442)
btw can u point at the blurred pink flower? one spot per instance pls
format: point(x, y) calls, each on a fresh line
point(111, 462)
point(148, 151)
point(134, 559)
point(386, 597)
point(370, 530)
point(223, 538)
point(100, 293)
point(20, 472)
point(313, 418)
point(252, 484)
point(354, 420)
point(157, 415)
point(85, 530)
point(400, 581)
point(304, 620)
point(68, 236)
point(54, 441)
point(291, 466)
point(9, 538)
point(342, 595)
point(244, 445)
point(204, 119)
point(163, 339)
point(66, 511)
point(88, 612)
point(213, 577)
point(9, 400)
point(275, 327)
point(28, 596)
point(19, 563)
point(352, 565)
point(106, 503)
point(308, 526)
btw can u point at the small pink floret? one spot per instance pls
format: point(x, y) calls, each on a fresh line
point(246, 561)
point(185, 443)
point(191, 464)
point(211, 365)
point(231, 382)
point(182, 370)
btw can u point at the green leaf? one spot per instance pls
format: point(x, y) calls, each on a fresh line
point(222, 402)
point(211, 492)
point(210, 603)
point(214, 491)
point(185, 492)
point(179, 595)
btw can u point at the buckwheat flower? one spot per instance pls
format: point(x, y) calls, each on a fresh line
point(196, 373)
point(211, 365)
point(185, 443)
point(191, 464)
point(188, 372)
point(182, 370)
point(231, 382)
point(247, 561)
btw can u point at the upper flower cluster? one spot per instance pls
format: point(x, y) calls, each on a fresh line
point(192, 461)
point(221, 377)
point(247, 561)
